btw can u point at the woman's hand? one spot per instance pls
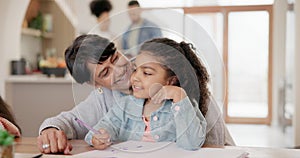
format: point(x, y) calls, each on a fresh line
point(10, 127)
point(56, 139)
point(102, 140)
point(169, 92)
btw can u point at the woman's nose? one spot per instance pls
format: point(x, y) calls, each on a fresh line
point(117, 70)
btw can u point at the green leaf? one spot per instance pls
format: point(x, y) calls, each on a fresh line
point(8, 141)
point(6, 138)
point(3, 134)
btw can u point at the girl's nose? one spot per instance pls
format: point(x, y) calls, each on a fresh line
point(134, 77)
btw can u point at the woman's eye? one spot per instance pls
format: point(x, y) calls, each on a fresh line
point(105, 73)
point(148, 74)
point(115, 59)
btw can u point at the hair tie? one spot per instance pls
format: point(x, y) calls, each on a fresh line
point(190, 45)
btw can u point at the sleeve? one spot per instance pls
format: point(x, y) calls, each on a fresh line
point(111, 122)
point(90, 111)
point(124, 40)
point(156, 32)
point(216, 131)
point(190, 125)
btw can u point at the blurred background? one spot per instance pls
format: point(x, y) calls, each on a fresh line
point(253, 66)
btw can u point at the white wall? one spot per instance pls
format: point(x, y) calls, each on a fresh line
point(11, 17)
point(296, 119)
point(279, 40)
point(86, 21)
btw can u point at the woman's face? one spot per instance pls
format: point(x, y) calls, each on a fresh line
point(148, 76)
point(114, 73)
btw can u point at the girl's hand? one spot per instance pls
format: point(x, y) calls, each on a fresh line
point(11, 128)
point(169, 92)
point(102, 140)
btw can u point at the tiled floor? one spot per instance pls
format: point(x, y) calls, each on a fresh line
point(260, 135)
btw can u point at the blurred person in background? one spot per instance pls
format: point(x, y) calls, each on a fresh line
point(140, 29)
point(101, 9)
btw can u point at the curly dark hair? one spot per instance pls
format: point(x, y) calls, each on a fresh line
point(97, 7)
point(84, 49)
point(181, 61)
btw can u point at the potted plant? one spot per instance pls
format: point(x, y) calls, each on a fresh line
point(6, 144)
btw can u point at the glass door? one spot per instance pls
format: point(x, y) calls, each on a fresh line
point(248, 68)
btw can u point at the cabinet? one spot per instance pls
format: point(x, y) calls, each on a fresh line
point(35, 41)
point(35, 98)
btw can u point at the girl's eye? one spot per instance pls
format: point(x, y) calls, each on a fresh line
point(133, 69)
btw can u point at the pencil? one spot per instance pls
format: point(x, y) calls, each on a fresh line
point(87, 126)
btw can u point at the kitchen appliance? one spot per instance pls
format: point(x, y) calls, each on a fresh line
point(18, 67)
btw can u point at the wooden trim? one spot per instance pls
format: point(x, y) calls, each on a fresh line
point(210, 9)
point(225, 60)
point(270, 73)
point(247, 120)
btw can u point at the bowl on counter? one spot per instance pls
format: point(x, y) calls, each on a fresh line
point(57, 72)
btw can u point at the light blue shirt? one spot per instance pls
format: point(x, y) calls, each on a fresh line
point(174, 122)
point(147, 31)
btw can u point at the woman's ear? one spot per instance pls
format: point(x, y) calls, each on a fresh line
point(173, 80)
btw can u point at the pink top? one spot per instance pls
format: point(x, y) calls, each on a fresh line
point(147, 136)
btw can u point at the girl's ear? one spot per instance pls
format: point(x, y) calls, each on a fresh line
point(173, 80)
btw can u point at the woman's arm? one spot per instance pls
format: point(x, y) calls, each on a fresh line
point(91, 110)
point(64, 126)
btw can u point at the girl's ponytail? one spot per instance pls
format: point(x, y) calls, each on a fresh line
point(201, 72)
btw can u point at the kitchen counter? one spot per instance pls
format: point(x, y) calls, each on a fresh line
point(39, 78)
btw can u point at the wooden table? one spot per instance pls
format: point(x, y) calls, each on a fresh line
point(28, 145)
point(24, 146)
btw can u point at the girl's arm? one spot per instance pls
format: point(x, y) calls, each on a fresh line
point(190, 123)
point(108, 128)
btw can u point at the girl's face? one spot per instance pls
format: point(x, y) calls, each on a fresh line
point(148, 76)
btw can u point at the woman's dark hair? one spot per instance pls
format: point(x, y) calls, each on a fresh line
point(5, 112)
point(98, 7)
point(87, 49)
point(182, 62)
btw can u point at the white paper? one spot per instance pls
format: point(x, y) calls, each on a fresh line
point(137, 149)
point(140, 146)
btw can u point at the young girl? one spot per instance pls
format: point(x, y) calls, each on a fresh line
point(169, 87)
